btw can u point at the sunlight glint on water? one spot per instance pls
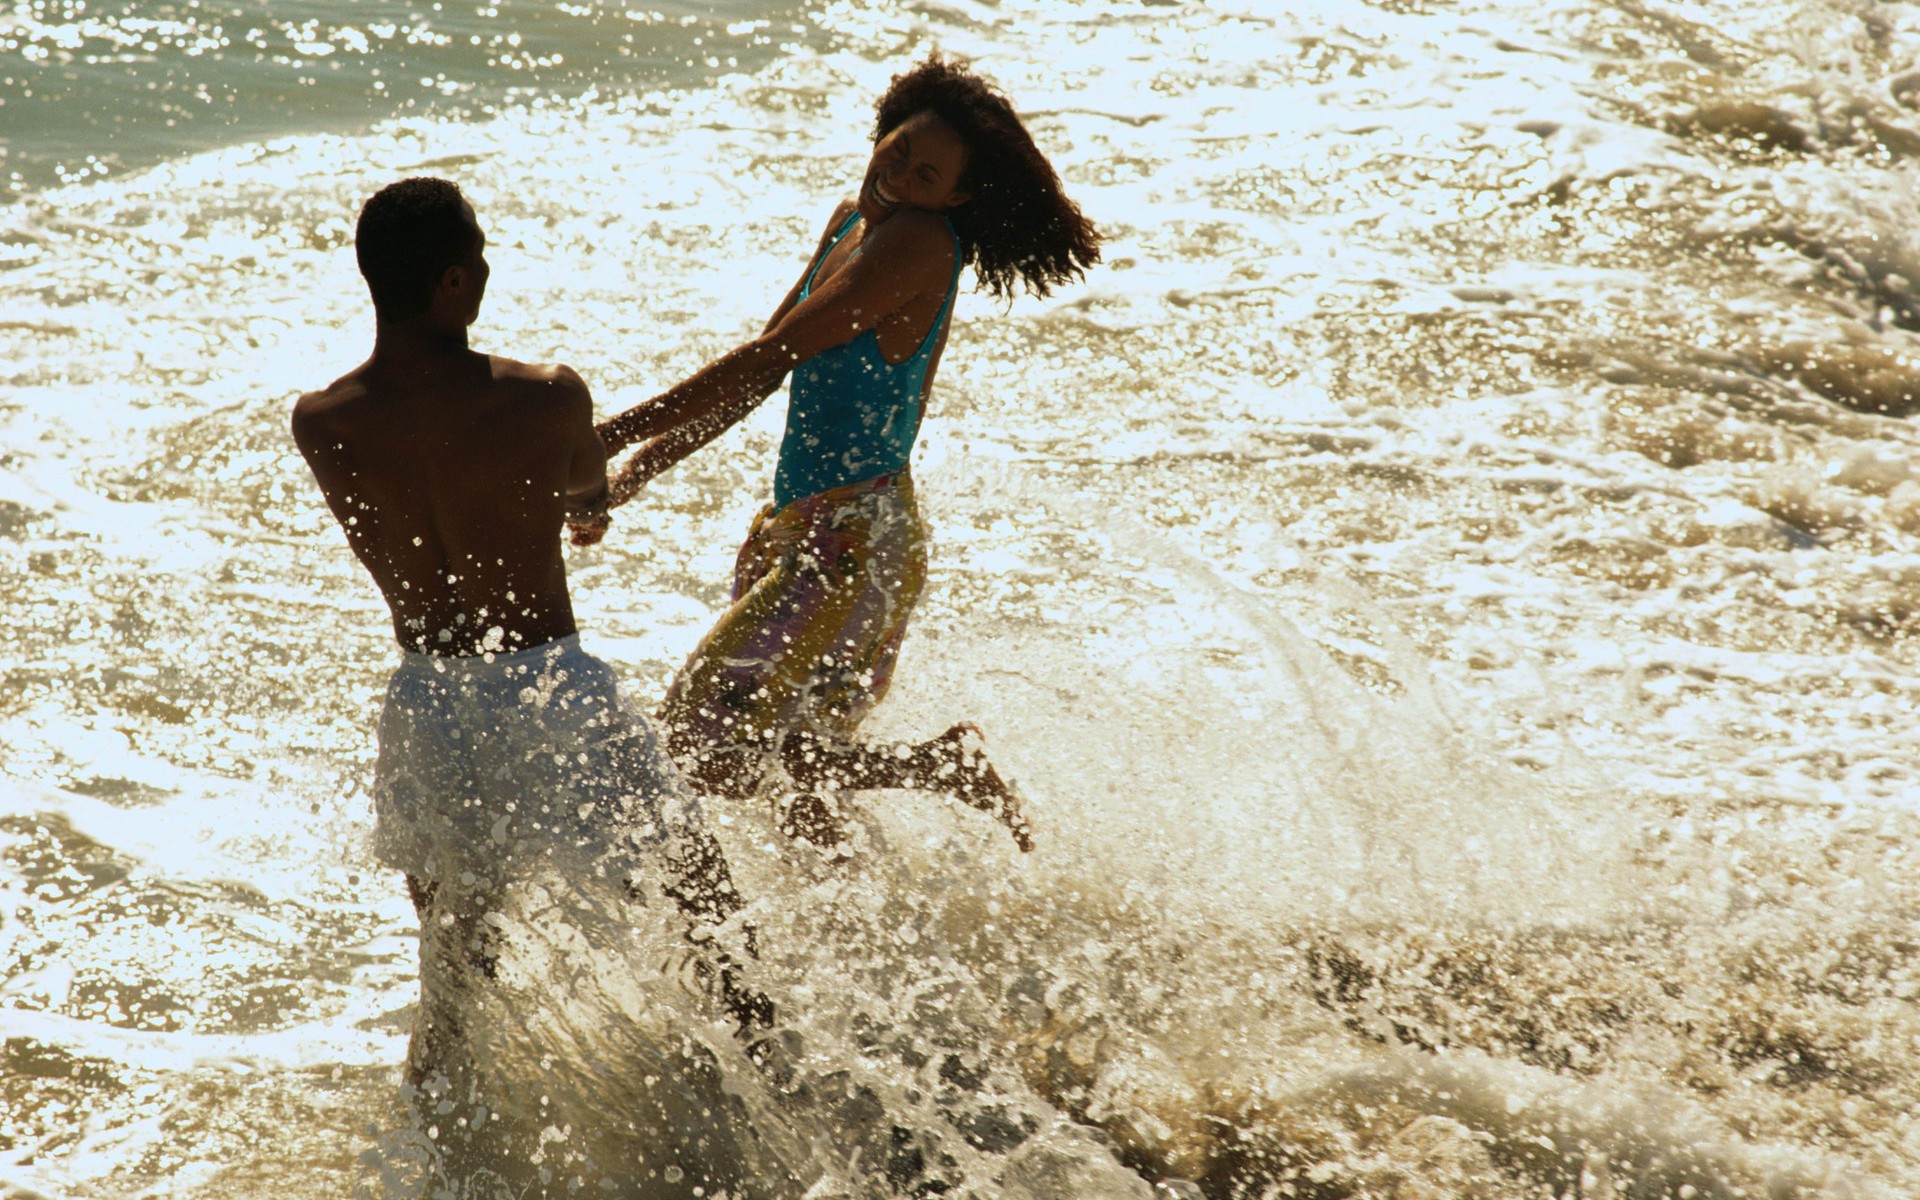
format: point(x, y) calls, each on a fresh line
point(1447, 586)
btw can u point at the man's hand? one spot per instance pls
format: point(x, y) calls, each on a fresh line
point(587, 531)
point(588, 523)
point(589, 516)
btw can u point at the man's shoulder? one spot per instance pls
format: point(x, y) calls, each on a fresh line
point(545, 382)
point(332, 407)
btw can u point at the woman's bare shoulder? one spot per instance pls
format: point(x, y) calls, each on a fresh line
point(841, 212)
point(913, 237)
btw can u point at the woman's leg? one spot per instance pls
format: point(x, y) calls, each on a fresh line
point(751, 678)
point(947, 763)
point(823, 594)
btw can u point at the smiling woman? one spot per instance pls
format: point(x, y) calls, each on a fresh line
point(832, 568)
point(1014, 222)
point(918, 165)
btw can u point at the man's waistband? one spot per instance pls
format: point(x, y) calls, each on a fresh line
point(508, 662)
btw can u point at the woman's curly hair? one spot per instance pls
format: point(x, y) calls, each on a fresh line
point(1018, 224)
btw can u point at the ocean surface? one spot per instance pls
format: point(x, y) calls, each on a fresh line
point(1448, 586)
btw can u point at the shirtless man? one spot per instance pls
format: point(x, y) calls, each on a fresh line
point(502, 743)
point(451, 471)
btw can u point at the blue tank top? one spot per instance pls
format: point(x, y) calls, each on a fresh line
point(851, 414)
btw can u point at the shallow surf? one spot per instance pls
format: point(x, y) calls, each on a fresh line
point(1446, 585)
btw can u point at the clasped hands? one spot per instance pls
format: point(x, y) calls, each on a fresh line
point(589, 521)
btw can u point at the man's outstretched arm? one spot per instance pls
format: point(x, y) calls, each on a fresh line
point(685, 418)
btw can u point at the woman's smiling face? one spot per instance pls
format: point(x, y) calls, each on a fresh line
point(919, 164)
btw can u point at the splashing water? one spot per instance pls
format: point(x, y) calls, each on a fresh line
point(1446, 587)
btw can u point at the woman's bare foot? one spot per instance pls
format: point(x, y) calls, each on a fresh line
point(807, 817)
point(965, 771)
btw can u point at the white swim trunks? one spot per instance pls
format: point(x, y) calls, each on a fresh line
point(490, 766)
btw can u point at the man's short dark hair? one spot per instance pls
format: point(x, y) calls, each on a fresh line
point(409, 233)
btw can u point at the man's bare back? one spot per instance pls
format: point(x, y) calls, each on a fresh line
point(452, 473)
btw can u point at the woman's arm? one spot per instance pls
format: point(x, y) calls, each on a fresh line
point(905, 256)
point(654, 417)
point(841, 212)
point(737, 382)
point(749, 373)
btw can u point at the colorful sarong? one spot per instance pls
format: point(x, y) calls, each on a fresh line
point(821, 594)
